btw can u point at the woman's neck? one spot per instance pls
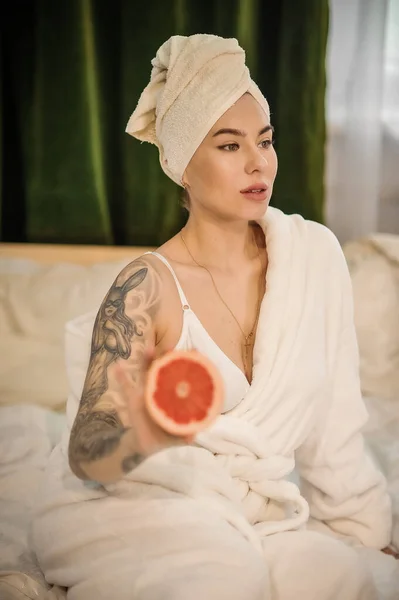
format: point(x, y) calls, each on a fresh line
point(220, 245)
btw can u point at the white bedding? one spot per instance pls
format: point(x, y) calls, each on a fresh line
point(27, 436)
point(382, 435)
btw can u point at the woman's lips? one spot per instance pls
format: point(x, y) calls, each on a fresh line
point(257, 195)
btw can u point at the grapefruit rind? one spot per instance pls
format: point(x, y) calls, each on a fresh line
point(205, 414)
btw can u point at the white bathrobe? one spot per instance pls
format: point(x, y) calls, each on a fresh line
point(221, 519)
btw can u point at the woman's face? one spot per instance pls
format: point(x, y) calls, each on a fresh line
point(113, 303)
point(237, 155)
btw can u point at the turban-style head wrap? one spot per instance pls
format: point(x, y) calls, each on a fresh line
point(194, 80)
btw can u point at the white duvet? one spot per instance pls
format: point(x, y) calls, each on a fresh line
point(27, 435)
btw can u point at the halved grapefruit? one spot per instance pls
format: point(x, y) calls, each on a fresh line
point(184, 392)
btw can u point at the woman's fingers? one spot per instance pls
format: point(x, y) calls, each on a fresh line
point(189, 439)
point(391, 551)
point(131, 406)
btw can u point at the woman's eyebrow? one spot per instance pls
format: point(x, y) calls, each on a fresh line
point(230, 132)
point(266, 129)
point(240, 133)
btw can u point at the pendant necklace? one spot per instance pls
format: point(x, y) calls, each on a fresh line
point(247, 343)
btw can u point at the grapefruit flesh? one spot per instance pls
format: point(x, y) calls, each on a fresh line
point(184, 392)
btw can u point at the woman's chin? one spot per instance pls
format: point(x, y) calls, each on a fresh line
point(256, 211)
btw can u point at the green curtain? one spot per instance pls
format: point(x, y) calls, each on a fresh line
point(71, 74)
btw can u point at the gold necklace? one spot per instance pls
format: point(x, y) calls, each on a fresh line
point(247, 338)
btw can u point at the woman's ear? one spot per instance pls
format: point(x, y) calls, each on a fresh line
point(184, 180)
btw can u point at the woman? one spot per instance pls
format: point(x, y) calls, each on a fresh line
point(267, 297)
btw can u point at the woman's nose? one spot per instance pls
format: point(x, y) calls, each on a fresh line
point(256, 161)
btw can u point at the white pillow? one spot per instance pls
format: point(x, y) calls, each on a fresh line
point(18, 265)
point(35, 303)
point(32, 372)
point(374, 268)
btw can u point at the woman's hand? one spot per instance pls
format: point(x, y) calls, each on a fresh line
point(131, 408)
point(391, 551)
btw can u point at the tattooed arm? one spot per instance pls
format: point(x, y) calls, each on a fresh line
point(103, 443)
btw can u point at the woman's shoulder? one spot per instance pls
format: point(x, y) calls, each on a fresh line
point(316, 235)
point(325, 252)
point(315, 242)
point(144, 281)
point(148, 263)
point(321, 236)
point(151, 289)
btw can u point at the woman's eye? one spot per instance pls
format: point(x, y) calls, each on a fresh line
point(230, 147)
point(267, 143)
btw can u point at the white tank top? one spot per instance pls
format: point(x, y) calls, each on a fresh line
point(194, 336)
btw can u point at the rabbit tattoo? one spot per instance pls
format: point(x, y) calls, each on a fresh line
point(112, 334)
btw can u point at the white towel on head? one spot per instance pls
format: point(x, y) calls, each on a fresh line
point(194, 80)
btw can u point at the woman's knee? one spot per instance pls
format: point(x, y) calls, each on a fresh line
point(232, 575)
point(213, 562)
point(354, 572)
point(245, 579)
point(323, 566)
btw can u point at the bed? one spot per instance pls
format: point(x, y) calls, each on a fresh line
point(43, 287)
